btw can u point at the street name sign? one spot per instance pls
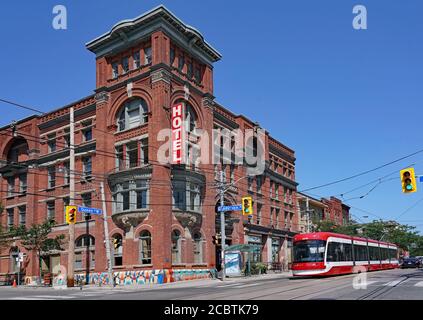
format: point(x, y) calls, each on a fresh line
point(229, 208)
point(87, 210)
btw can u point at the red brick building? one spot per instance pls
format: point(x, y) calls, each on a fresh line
point(162, 217)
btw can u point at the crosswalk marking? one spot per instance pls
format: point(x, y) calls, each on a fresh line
point(393, 283)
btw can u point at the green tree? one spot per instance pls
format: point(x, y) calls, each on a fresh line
point(36, 239)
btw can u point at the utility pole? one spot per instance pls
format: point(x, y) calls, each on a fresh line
point(71, 247)
point(87, 244)
point(222, 225)
point(106, 235)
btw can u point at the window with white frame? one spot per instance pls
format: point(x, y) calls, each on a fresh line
point(132, 154)
point(136, 59)
point(125, 64)
point(51, 179)
point(198, 248)
point(50, 210)
point(10, 218)
point(145, 247)
point(176, 247)
point(130, 195)
point(87, 167)
point(132, 114)
point(117, 250)
point(86, 199)
point(115, 70)
point(186, 196)
point(10, 186)
point(22, 215)
point(148, 56)
point(51, 142)
point(22, 183)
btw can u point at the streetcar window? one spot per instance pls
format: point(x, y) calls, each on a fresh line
point(309, 251)
point(338, 251)
point(360, 253)
point(374, 253)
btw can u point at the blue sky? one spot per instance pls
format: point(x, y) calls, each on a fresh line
point(345, 100)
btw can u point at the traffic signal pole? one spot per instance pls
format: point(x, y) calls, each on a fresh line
point(71, 244)
point(87, 244)
point(222, 225)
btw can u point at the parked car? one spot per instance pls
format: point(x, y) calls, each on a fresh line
point(410, 263)
point(421, 260)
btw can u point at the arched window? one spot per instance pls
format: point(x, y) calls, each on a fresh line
point(190, 118)
point(81, 249)
point(145, 247)
point(198, 248)
point(176, 246)
point(117, 249)
point(132, 114)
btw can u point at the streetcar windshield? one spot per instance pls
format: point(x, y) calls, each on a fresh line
point(309, 251)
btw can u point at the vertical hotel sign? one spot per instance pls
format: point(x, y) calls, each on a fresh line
point(177, 132)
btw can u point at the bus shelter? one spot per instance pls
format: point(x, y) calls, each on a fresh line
point(245, 251)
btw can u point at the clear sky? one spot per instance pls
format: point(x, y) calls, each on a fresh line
point(345, 100)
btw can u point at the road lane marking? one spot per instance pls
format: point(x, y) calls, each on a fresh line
point(393, 283)
point(248, 285)
point(419, 284)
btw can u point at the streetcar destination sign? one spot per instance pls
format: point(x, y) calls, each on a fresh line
point(229, 208)
point(89, 210)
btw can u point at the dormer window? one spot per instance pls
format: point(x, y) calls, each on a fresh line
point(133, 114)
point(147, 55)
point(125, 64)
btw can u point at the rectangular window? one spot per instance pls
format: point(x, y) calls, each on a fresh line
point(132, 154)
point(179, 195)
point(259, 181)
point(148, 55)
point(50, 210)
point(259, 207)
point(271, 189)
point(125, 196)
point(172, 56)
point(276, 191)
point(22, 215)
point(115, 70)
point(66, 138)
point(136, 58)
point(88, 134)
point(190, 70)
point(66, 173)
point(181, 62)
point(51, 143)
point(271, 216)
point(87, 164)
point(86, 200)
point(277, 217)
point(10, 186)
point(125, 65)
point(78, 260)
point(51, 177)
point(144, 151)
point(197, 75)
point(10, 218)
point(120, 162)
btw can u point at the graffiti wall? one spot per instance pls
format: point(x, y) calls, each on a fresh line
point(145, 276)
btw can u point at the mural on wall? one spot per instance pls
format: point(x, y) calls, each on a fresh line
point(146, 276)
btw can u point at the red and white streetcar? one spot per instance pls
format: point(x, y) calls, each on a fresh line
point(327, 253)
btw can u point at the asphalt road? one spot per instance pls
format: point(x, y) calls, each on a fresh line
point(395, 284)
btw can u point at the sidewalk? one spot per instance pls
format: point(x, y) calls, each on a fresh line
point(178, 284)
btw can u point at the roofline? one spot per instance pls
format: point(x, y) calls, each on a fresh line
point(132, 22)
point(20, 121)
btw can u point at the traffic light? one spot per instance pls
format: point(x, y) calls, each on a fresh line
point(70, 214)
point(117, 242)
point(247, 206)
point(216, 240)
point(408, 180)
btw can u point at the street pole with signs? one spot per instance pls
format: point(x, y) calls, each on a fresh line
point(87, 244)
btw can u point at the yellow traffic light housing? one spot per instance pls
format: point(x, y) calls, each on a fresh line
point(117, 242)
point(70, 214)
point(408, 180)
point(247, 206)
